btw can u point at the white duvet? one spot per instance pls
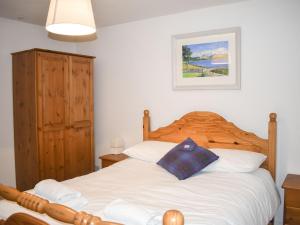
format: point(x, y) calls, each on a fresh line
point(207, 198)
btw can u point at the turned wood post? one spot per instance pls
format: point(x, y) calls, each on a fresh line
point(9, 193)
point(59, 212)
point(272, 138)
point(146, 125)
point(173, 217)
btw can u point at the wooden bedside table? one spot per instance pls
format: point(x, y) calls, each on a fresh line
point(291, 187)
point(110, 159)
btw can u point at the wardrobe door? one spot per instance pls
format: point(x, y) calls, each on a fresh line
point(52, 82)
point(79, 152)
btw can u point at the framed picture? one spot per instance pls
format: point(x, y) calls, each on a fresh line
point(207, 60)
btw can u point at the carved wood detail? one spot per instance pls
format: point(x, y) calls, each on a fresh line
point(55, 211)
point(211, 130)
point(60, 212)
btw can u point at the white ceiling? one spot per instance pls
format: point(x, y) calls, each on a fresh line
point(106, 12)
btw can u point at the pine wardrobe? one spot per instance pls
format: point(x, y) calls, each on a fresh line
point(53, 116)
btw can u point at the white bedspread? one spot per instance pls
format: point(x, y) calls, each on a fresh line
point(211, 198)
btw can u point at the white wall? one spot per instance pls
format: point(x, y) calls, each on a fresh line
point(133, 72)
point(16, 36)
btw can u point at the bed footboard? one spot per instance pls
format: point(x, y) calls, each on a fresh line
point(63, 213)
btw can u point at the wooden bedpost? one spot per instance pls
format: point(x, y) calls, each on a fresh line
point(146, 125)
point(272, 138)
point(56, 211)
point(173, 217)
point(9, 193)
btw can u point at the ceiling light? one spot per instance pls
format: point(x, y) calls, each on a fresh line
point(71, 17)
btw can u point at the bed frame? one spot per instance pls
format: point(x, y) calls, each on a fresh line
point(211, 130)
point(205, 128)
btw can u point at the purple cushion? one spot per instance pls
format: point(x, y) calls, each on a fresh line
point(186, 159)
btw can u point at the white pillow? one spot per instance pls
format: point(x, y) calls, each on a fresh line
point(229, 160)
point(150, 151)
point(235, 161)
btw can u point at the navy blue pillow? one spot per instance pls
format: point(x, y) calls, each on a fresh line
point(186, 159)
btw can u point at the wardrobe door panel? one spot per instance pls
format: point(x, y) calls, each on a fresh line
point(53, 155)
point(78, 159)
point(80, 91)
point(52, 80)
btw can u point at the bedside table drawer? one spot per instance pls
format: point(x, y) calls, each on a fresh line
point(108, 160)
point(292, 198)
point(106, 163)
point(292, 216)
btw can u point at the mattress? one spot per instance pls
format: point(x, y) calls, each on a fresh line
point(207, 198)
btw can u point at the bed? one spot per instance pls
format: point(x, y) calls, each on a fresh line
point(239, 198)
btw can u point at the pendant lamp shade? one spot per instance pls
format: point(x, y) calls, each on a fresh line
point(71, 17)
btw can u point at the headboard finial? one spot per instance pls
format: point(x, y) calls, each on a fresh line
point(272, 137)
point(146, 125)
point(273, 117)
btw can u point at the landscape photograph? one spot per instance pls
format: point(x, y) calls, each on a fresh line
point(205, 60)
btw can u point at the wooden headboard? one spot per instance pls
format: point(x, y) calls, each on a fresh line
point(211, 130)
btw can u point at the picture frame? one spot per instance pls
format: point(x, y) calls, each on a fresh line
point(207, 60)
